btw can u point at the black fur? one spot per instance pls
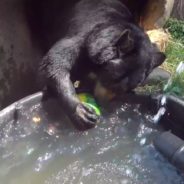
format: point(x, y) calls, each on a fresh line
point(103, 38)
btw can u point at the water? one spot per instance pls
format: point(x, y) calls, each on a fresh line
point(161, 111)
point(42, 148)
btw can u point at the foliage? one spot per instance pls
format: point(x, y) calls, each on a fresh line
point(176, 85)
point(176, 28)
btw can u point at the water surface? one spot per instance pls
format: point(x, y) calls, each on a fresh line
point(43, 147)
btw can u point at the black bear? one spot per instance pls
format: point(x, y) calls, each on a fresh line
point(103, 38)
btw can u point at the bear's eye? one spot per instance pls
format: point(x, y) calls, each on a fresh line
point(128, 70)
point(117, 80)
point(120, 53)
point(130, 53)
point(109, 53)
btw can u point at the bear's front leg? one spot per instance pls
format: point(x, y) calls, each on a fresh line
point(57, 66)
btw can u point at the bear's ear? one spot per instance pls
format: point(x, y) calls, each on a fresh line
point(125, 43)
point(158, 59)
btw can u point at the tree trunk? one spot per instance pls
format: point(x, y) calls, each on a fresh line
point(156, 13)
point(178, 11)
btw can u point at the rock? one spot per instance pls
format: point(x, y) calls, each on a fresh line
point(157, 75)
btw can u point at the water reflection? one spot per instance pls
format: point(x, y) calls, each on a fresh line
point(42, 148)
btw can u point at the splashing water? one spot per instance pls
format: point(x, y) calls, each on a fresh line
point(43, 147)
point(162, 110)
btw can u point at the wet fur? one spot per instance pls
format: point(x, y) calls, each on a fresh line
point(102, 38)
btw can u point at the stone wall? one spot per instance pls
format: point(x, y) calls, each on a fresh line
point(19, 55)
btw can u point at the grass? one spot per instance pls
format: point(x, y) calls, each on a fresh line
point(176, 28)
point(175, 49)
point(174, 53)
point(177, 85)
